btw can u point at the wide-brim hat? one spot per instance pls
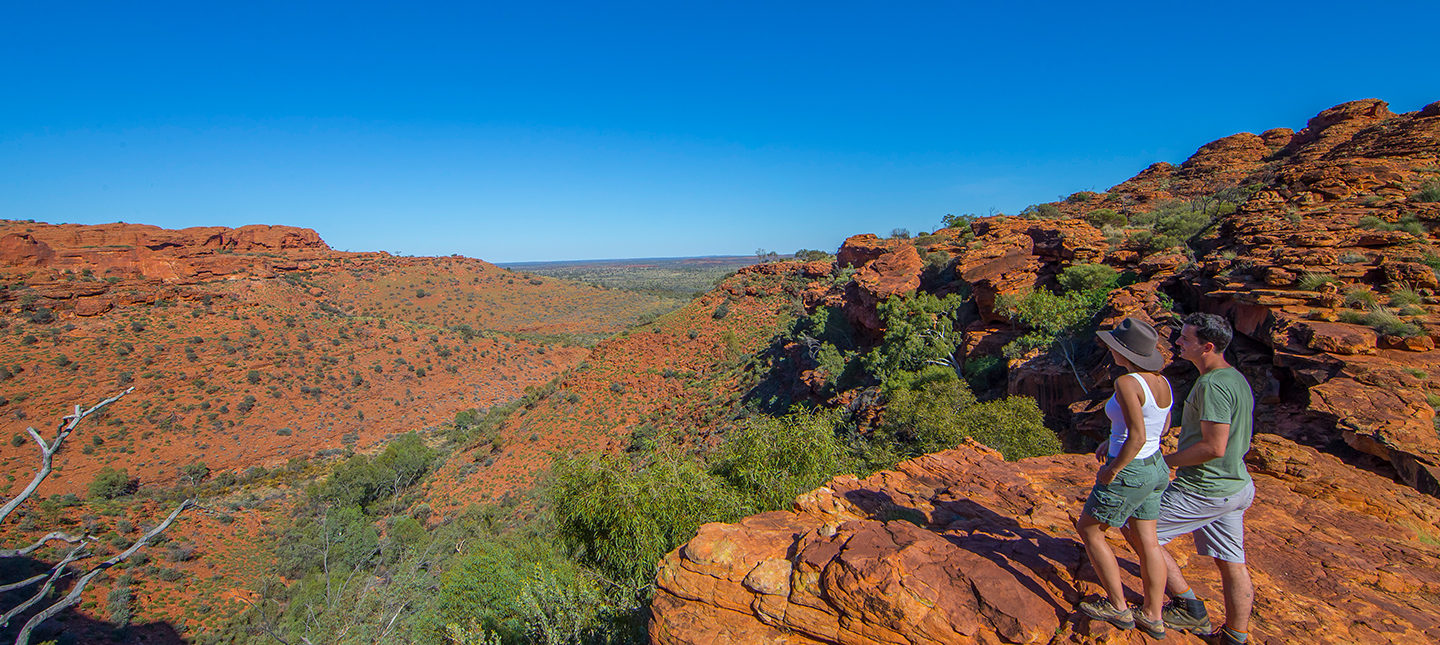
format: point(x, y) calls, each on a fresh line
point(1136, 340)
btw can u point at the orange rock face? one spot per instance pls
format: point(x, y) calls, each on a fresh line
point(183, 255)
point(962, 547)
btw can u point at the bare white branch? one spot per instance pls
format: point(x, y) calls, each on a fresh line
point(73, 598)
point(47, 451)
point(49, 537)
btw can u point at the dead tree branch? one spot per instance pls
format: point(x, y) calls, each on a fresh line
point(48, 450)
point(73, 598)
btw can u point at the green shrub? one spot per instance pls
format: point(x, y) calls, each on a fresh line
point(342, 538)
point(494, 586)
point(1085, 277)
point(194, 473)
point(772, 460)
point(1103, 217)
point(1147, 242)
point(721, 311)
point(1351, 257)
point(1041, 211)
point(1386, 322)
point(110, 483)
point(623, 520)
point(360, 481)
point(933, 410)
point(921, 409)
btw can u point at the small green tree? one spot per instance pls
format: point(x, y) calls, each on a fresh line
point(919, 331)
point(1054, 321)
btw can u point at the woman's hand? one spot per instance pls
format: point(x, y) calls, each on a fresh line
point(1106, 474)
point(1102, 452)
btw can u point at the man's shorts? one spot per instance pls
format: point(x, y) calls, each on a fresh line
point(1217, 522)
point(1135, 492)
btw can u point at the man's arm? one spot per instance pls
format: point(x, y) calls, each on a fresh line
point(1213, 439)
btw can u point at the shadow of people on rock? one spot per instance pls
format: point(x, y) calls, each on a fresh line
point(998, 538)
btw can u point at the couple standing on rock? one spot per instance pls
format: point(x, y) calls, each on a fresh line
point(1210, 493)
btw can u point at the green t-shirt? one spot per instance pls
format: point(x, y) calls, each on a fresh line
point(1219, 396)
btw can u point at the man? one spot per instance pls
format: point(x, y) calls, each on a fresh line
point(1212, 488)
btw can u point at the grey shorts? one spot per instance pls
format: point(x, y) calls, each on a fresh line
point(1217, 522)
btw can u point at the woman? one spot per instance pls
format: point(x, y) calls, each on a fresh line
point(1128, 487)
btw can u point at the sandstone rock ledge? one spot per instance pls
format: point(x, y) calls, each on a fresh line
point(963, 547)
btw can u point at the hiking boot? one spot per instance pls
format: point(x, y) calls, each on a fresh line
point(1186, 615)
point(1102, 610)
point(1222, 637)
point(1155, 629)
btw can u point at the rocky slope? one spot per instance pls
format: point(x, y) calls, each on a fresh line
point(262, 354)
point(1317, 245)
point(963, 547)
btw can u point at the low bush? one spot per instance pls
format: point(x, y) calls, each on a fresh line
point(772, 460)
point(110, 483)
point(1103, 217)
point(1085, 277)
point(623, 519)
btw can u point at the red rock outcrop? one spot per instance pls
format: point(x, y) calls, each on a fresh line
point(151, 252)
point(962, 547)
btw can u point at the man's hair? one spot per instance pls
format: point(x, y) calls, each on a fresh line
point(1210, 328)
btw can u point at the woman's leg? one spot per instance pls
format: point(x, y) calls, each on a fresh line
point(1102, 557)
point(1141, 537)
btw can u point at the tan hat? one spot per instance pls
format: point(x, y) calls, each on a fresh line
point(1136, 340)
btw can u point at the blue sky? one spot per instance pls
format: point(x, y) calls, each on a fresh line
point(548, 131)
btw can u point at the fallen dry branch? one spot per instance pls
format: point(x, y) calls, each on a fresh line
point(62, 569)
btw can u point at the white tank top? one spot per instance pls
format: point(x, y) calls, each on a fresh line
point(1153, 414)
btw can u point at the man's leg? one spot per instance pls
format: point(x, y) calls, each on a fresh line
point(1239, 594)
point(1175, 583)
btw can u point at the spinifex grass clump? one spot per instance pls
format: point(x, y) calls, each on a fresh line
point(1382, 321)
point(1314, 281)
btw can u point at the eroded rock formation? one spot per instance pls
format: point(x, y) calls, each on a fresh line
point(963, 547)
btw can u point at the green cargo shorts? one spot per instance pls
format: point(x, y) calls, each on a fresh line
point(1135, 492)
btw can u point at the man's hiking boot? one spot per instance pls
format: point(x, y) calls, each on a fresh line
point(1222, 637)
point(1102, 610)
point(1186, 615)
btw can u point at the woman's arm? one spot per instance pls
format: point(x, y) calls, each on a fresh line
point(1128, 393)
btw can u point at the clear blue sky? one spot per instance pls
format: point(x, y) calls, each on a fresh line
point(546, 131)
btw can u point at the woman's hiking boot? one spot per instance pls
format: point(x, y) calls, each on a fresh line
point(1186, 615)
point(1102, 610)
point(1153, 629)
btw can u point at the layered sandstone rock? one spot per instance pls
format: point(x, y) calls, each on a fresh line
point(963, 547)
point(151, 252)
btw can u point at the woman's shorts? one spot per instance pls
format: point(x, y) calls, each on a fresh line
point(1135, 492)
